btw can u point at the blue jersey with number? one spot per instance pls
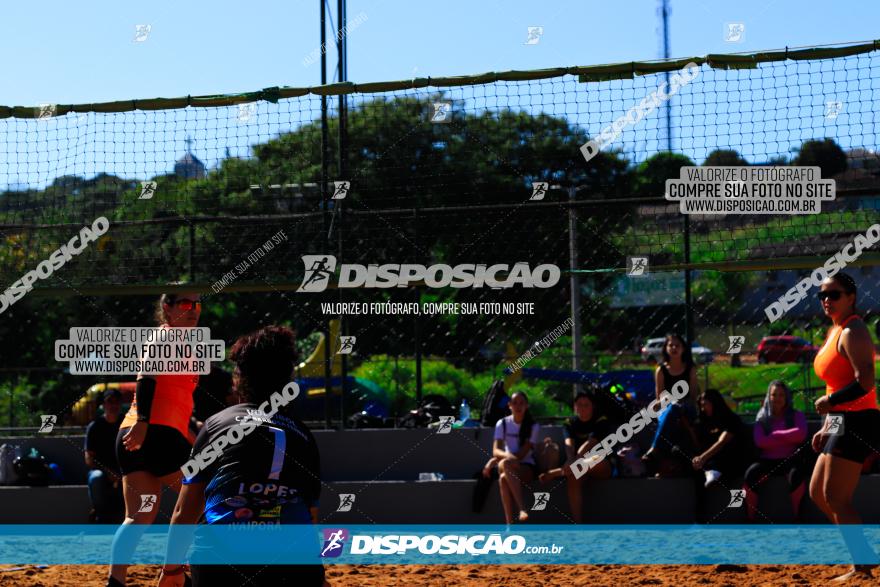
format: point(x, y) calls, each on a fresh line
point(267, 473)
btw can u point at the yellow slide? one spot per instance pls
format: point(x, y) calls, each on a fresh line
point(314, 365)
point(85, 408)
point(510, 355)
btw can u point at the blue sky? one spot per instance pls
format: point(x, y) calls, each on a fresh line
point(63, 52)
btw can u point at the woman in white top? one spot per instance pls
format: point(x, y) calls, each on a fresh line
point(515, 437)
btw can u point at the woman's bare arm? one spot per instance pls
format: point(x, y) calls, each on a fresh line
point(725, 438)
point(859, 348)
point(523, 450)
point(570, 453)
point(498, 450)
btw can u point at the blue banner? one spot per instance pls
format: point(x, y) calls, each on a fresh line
point(441, 544)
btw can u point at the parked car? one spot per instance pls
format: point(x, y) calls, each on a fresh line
point(785, 349)
point(702, 354)
point(653, 351)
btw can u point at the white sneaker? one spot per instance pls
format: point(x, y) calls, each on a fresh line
point(712, 476)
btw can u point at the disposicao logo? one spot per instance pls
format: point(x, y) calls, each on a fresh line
point(320, 268)
point(334, 541)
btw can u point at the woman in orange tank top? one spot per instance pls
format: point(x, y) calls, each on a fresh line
point(154, 438)
point(852, 423)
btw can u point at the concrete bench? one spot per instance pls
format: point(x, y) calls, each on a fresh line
point(450, 502)
point(352, 455)
point(362, 455)
point(615, 501)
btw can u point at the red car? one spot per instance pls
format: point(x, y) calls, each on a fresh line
point(785, 349)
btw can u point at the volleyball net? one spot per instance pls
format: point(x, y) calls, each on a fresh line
point(102, 204)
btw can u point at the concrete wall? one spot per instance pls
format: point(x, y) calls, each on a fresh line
point(380, 468)
point(353, 455)
point(615, 501)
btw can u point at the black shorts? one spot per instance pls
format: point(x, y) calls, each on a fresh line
point(164, 451)
point(860, 437)
point(257, 575)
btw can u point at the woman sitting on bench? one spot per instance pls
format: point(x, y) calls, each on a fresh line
point(515, 438)
point(726, 448)
point(582, 432)
point(780, 432)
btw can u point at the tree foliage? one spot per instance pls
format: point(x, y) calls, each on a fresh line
point(396, 159)
point(825, 154)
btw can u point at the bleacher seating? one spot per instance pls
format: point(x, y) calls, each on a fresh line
point(381, 468)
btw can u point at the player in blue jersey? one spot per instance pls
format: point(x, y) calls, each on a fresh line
point(270, 475)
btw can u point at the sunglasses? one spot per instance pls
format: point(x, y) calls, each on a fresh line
point(188, 305)
point(832, 295)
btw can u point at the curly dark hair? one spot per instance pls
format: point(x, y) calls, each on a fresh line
point(264, 361)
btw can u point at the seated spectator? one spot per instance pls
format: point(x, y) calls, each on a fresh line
point(105, 481)
point(779, 433)
point(722, 439)
point(675, 434)
point(516, 436)
point(582, 432)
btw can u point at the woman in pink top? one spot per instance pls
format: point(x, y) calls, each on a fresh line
point(780, 433)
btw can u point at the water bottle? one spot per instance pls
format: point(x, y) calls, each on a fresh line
point(464, 412)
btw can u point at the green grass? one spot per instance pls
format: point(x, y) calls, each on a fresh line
point(716, 339)
point(705, 247)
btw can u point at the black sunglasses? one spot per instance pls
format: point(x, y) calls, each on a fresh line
point(832, 295)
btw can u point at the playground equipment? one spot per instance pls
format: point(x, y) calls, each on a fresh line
point(86, 408)
point(637, 384)
point(361, 395)
point(510, 355)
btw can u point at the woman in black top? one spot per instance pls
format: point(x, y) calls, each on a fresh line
point(675, 434)
point(724, 443)
point(582, 432)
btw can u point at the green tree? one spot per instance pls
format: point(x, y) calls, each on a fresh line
point(725, 157)
point(397, 159)
point(652, 173)
point(825, 154)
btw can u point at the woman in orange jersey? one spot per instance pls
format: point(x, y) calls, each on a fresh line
point(852, 425)
point(154, 438)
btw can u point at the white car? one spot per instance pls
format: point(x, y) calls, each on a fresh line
point(653, 351)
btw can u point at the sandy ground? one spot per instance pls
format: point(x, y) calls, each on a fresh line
point(475, 575)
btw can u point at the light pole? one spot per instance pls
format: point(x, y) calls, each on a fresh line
point(688, 301)
point(342, 70)
point(574, 282)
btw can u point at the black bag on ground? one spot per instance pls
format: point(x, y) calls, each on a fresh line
point(432, 407)
point(365, 420)
point(495, 404)
point(32, 470)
